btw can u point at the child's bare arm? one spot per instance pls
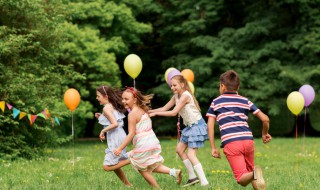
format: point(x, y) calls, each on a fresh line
point(266, 137)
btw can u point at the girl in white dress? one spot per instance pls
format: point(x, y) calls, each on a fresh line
point(111, 119)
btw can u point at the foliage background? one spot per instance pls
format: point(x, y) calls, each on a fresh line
point(47, 47)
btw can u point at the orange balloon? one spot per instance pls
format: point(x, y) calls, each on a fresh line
point(188, 74)
point(72, 98)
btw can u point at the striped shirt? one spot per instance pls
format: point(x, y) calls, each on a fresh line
point(231, 112)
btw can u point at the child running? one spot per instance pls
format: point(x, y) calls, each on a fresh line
point(195, 132)
point(145, 156)
point(231, 112)
point(112, 120)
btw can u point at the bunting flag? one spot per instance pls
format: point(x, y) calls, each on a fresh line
point(2, 106)
point(57, 120)
point(22, 114)
point(42, 115)
point(9, 106)
point(31, 117)
point(15, 112)
point(45, 113)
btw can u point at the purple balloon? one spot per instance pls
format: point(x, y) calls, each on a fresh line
point(171, 74)
point(308, 93)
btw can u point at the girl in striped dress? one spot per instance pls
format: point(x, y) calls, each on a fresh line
point(146, 155)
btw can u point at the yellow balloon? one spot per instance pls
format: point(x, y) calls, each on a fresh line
point(191, 86)
point(295, 102)
point(133, 65)
point(167, 72)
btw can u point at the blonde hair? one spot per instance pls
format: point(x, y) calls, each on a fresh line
point(184, 81)
point(143, 101)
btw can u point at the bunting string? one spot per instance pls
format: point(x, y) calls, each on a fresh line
point(31, 117)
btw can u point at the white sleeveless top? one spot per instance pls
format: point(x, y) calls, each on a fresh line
point(189, 113)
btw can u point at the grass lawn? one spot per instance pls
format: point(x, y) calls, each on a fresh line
point(287, 163)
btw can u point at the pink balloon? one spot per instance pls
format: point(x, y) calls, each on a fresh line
point(308, 93)
point(173, 73)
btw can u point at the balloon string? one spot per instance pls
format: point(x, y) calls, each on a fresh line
point(297, 157)
point(134, 83)
point(72, 141)
point(296, 128)
point(178, 133)
point(304, 126)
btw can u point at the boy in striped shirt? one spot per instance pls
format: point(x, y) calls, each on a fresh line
point(231, 111)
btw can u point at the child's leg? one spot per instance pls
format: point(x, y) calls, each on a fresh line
point(147, 175)
point(162, 169)
point(117, 166)
point(122, 176)
point(181, 148)
point(173, 172)
point(192, 155)
point(241, 166)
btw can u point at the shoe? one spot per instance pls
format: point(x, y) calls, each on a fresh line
point(192, 182)
point(257, 175)
point(178, 176)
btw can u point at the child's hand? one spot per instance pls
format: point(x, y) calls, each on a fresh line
point(117, 151)
point(102, 136)
point(215, 153)
point(266, 138)
point(97, 115)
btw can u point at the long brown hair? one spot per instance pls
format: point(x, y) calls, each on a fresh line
point(114, 96)
point(184, 81)
point(143, 101)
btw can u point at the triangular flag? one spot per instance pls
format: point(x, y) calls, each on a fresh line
point(22, 114)
point(41, 115)
point(2, 105)
point(47, 113)
point(9, 106)
point(32, 118)
point(15, 112)
point(57, 120)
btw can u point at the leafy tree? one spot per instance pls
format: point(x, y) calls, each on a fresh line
point(99, 34)
point(31, 33)
point(271, 44)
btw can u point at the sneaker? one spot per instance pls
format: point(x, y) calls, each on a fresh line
point(257, 175)
point(178, 176)
point(192, 182)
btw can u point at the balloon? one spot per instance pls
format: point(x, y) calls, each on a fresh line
point(133, 65)
point(295, 102)
point(171, 74)
point(72, 98)
point(191, 86)
point(308, 94)
point(167, 72)
point(188, 74)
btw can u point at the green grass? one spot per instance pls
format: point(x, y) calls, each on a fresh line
point(287, 164)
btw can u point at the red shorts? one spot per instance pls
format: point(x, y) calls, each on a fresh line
point(240, 155)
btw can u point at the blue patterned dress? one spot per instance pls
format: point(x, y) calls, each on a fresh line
point(115, 138)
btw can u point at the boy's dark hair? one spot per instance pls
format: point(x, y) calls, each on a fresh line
point(231, 80)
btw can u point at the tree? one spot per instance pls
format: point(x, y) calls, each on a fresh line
point(98, 34)
point(31, 33)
